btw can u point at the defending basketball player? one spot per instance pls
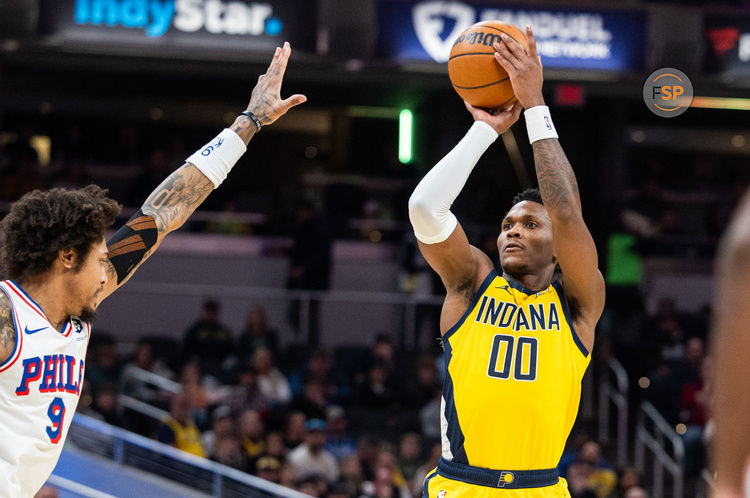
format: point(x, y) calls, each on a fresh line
point(517, 343)
point(731, 345)
point(60, 269)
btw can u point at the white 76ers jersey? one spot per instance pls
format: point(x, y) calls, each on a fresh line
point(39, 389)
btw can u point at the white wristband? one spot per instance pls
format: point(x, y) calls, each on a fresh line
point(539, 123)
point(217, 157)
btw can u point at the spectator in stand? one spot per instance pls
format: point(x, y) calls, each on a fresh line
point(409, 455)
point(268, 468)
point(421, 390)
point(367, 453)
point(271, 382)
point(209, 340)
point(351, 477)
point(417, 481)
point(222, 426)
point(246, 394)
point(229, 452)
point(105, 404)
point(601, 479)
point(376, 392)
point(318, 367)
point(636, 492)
point(310, 263)
point(311, 457)
point(338, 441)
point(257, 334)
point(295, 430)
point(694, 413)
point(251, 436)
point(288, 476)
point(196, 393)
point(179, 429)
point(429, 416)
point(274, 447)
point(102, 367)
point(387, 459)
point(313, 485)
point(383, 485)
point(627, 478)
point(312, 401)
point(578, 480)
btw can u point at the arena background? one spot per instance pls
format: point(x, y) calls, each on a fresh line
point(120, 92)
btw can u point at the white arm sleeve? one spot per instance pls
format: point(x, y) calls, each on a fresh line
point(429, 205)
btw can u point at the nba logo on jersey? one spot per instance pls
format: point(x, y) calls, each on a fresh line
point(77, 325)
point(441, 494)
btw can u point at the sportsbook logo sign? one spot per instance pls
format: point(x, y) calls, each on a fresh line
point(566, 38)
point(155, 17)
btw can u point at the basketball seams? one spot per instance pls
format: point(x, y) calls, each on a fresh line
point(480, 86)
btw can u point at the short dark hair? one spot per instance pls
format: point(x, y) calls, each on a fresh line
point(42, 223)
point(530, 194)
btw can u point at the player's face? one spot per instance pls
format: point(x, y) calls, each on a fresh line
point(89, 281)
point(525, 242)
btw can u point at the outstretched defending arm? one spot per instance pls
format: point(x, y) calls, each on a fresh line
point(731, 344)
point(170, 205)
point(574, 246)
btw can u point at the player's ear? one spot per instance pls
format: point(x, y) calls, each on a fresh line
point(68, 258)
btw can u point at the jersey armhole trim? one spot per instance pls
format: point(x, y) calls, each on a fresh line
point(19, 335)
point(566, 311)
point(486, 283)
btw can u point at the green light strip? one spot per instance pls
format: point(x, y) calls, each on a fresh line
point(732, 103)
point(404, 135)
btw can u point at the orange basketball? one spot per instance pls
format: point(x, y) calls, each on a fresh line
point(473, 70)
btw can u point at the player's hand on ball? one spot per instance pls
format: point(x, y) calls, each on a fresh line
point(501, 119)
point(265, 101)
point(524, 69)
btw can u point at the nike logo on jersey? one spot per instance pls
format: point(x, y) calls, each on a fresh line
point(34, 331)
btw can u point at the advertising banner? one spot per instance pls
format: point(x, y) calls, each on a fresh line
point(728, 45)
point(223, 25)
point(566, 38)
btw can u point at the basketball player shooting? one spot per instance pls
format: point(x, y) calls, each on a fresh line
point(731, 346)
point(60, 269)
point(517, 343)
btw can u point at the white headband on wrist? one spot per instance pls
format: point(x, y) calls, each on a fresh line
point(539, 123)
point(217, 157)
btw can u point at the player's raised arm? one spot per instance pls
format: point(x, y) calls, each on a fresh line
point(731, 345)
point(574, 246)
point(170, 205)
point(441, 238)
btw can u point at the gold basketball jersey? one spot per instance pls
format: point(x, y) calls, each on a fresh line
point(513, 383)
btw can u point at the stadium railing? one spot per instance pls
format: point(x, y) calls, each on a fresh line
point(652, 432)
point(614, 393)
point(127, 448)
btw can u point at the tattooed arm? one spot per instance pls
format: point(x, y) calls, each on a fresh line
point(574, 246)
point(7, 330)
point(170, 205)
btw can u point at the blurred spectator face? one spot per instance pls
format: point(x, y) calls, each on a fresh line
point(106, 355)
point(694, 350)
point(229, 452)
point(143, 356)
point(590, 452)
point(262, 361)
point(636, 492)
point(410, 447)
point(275, 444)
point(351, 469)
point(670, 329)
point(319, 364)
point(191, 374)
point(288, 476)
point(383, 475)
point(367, 451)
point(256, 320)
point(383, 350)
point(251, 424)
point(223, 426)
point(427, 374)
point(249, 377)
point(315, 440)
point(629, 478)
point(211, 310)
point(314, 392)
point(336, 421)
point(295, 429)
point(179, 407)
point(578, 475)
point(386, 458)
point(106, 400)
point(268, 468)
point(378, 375)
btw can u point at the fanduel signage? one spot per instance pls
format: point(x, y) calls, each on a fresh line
point(203, 23)
point(602, 40)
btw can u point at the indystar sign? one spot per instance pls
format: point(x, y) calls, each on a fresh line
point(216, 25)
point(155, 17)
